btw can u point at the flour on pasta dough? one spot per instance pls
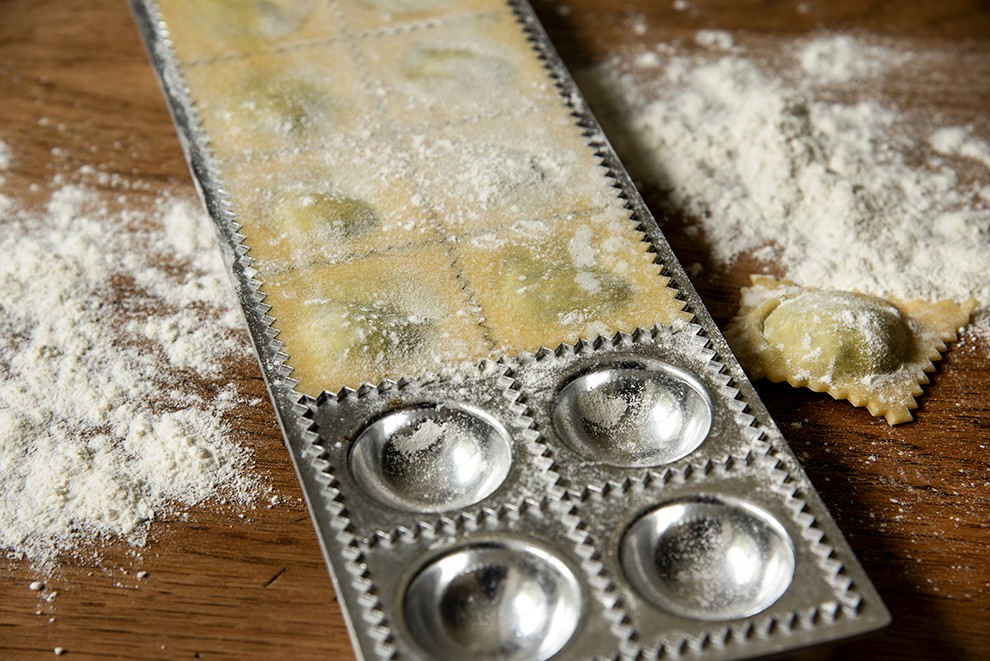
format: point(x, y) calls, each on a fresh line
point(871, 351)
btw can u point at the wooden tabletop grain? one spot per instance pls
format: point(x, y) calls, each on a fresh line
point(76, 89)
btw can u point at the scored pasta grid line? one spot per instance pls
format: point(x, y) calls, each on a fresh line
point(359, 35)
point(411, 245)
point(351, 37)
point(812, 616)
point(275, 324)
point(608, 171)
point(274, 327)
point(472, 297)
point(391, 131)
point(424, 24)
point(356, 53)
point(233, 41)
point(313, 148)
point(352, 40)
point(385, 132)
point(598, 142)
point(394, 133)
point(459, 275)
point(243, 55)
point(236, 53)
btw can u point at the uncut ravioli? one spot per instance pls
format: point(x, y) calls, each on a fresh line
point(543, 283)
point(327, 205)
point(207, 29)
point(868, 350)
point(384, 316)
point(299, 98)
point(457, 71)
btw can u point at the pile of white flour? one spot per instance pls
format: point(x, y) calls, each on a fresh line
point(105, 319)
point(833, 192)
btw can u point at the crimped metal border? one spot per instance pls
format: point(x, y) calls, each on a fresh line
point(290, 406)
point(341, 547)
point(734, 432)
point(337, 420)
point(822, 603)
point(399, 557)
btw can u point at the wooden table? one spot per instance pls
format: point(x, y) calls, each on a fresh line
point(914, 500)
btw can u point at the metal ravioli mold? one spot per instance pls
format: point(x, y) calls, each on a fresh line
point(622, 494)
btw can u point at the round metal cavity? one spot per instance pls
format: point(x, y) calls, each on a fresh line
point(431, 458)
point(641, 414)
point(506, 600)
point(708, 558)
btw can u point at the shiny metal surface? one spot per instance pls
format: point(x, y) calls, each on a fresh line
point(373, 584)
point(506, 600)
point(634, 416)
point(431, 458)
point(708, 558)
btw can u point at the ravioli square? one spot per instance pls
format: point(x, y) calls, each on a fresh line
point(293, 99)
point(499, 171)
point(444, 73)
point(342, 201)
point(386, 316)
point(872, 351)
point(543, 283)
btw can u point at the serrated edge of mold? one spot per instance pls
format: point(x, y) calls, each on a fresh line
point(847, 600)
point(435, 524)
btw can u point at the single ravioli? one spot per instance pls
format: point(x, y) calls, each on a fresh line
point(868, 350)
point(295, 99)
point(205, 29)
point(382, 316)
point(327, 205)
point(544, 283)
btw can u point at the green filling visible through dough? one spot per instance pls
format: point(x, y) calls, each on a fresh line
point(407, 6)
point(450, 64)
point(310, 215)
point(839, 334)
point(278, 104)
point(254, 19)
point(554, 287)
point(384, 331)
point(368, 333)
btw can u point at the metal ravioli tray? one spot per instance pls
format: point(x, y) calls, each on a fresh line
point(618, 497)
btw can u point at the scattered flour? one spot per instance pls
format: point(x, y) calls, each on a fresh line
point(837, 59)
point(602, 408)
point(823, 189)
point(423, 437)
point(638, 25)
point(959, 141)
point(107, 316)
point(714, 39)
